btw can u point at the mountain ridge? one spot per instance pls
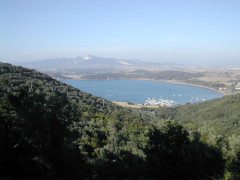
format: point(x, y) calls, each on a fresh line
point(90, 61)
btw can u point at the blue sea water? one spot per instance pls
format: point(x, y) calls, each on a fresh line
point(137, 91)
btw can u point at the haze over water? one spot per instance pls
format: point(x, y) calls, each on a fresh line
point(137, 91)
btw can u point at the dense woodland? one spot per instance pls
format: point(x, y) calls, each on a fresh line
point(49, 130)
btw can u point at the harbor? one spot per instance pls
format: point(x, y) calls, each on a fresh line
point(159, 102)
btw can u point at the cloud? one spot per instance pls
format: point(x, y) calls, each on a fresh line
point(174, 38)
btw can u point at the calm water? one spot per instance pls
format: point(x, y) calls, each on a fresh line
point(137, 91)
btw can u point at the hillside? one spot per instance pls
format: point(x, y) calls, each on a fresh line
point(49, 130)
point(221, 114)
point(15, 79)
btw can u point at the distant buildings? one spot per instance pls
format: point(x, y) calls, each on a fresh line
point(237, 87)
point(159, 102)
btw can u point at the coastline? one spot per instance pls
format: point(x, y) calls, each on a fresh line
point(185, 83)
point(170, 81)
point(138, 106)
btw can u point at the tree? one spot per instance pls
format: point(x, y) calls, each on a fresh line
point(38, 142)
point(165, 150)
point(171, 155)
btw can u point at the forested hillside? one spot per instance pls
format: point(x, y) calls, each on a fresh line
point(222, 114)
point(49, 130)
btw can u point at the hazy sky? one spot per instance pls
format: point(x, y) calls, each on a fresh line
point(196, 31)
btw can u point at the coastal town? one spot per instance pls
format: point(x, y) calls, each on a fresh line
point(159, 102)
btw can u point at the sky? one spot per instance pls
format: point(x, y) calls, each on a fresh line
point(180, 31)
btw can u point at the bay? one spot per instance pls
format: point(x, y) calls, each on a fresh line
point(137, 91)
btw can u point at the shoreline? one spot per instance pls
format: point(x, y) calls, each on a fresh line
point(170, 81)
point(138, 106)
point(185, 83)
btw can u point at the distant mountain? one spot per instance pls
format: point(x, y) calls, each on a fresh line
point(90, 61)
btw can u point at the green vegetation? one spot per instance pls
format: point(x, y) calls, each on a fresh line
point(221, 114)
point(49, 130)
